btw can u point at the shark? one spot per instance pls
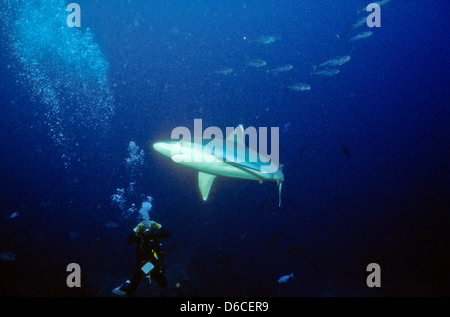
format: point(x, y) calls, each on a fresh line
point(212, 161)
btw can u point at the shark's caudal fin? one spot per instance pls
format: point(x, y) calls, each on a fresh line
point(205, 181)
point(279, 193)
point(280, 184)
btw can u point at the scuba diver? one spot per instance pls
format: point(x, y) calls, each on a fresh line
point(148, 256)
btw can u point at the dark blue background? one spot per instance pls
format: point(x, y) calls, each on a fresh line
point(388, 203)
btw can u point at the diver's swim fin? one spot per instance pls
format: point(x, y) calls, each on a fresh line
point(120, 290)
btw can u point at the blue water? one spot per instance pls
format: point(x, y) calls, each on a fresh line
point(72, 100)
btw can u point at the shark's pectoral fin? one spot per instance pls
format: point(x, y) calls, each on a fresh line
point(205, 181)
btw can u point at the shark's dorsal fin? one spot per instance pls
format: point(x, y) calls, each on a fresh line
point(239, 132)
point(205, 181)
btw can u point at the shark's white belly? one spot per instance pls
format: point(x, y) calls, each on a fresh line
point(223, 169)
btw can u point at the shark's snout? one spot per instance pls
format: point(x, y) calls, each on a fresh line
point(158, 146)
point(164, 148)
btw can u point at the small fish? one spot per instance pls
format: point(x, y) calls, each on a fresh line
point(326, 72)
point(260, 291)
point(224, 71)
point(295, 248)
point(285, 278)
point(284, 68)
point(7, 256)
point(265, 39)
point(14, 215)
point(111, 224)
point(273, 238)
point(359, 23)
point(257, 63)
point(361, 36)
point(354, 26)
point(235, 277)
point(74, 234)
point(303, 149)
point(299, 87)
point(337, 61)
point(224, 259)
point(346, 151)
point(380, 3)
point(265, 204)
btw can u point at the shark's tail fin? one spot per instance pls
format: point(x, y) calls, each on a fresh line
point(279, 193)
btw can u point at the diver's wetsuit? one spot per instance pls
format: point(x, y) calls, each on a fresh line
point(148, 249)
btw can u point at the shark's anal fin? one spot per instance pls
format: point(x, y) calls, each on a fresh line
point(205, 181)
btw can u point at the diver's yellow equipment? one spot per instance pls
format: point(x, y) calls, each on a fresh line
point(155, 224)
point(141, 225)
point(154, 254)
